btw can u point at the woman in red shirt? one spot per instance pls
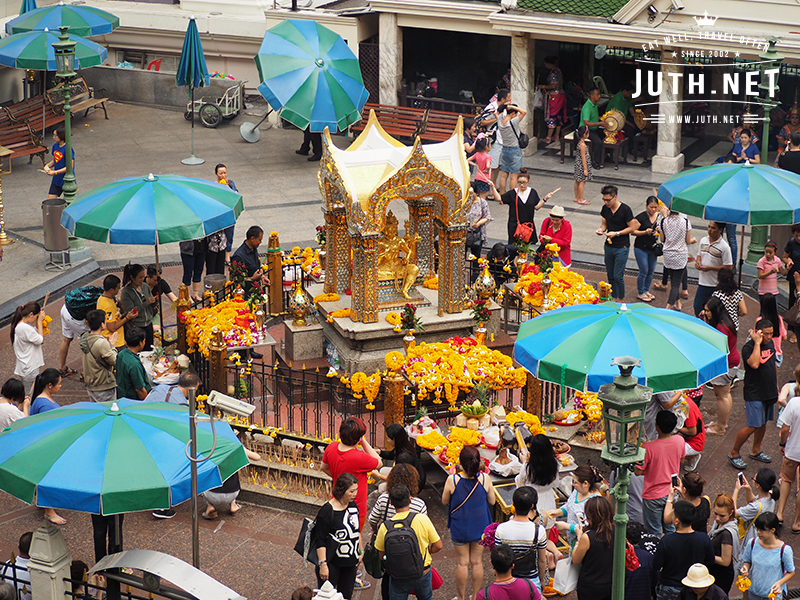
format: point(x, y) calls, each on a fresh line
point(344, 457)
point(556, 229)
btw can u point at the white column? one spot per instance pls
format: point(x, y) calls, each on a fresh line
point(523, 84)
point(668, 158)
point(49, 564)
point(390, 58)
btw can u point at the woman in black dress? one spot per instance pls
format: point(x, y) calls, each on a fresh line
point(595, 551)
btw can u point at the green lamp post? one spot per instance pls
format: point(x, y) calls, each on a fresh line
point(65, 65)
point(772, 60)
point(624, 402)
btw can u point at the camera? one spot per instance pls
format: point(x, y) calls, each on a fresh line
point(228, 404)
point(675, 481)
point(742, 480)
point(677, 4)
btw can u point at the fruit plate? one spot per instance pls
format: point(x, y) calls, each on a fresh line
point(560, 446)
point(567, 423)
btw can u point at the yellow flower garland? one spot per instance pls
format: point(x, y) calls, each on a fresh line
point(342, 312)
point(46, 323)
point(393, 318)
point(332, 297)
point(394, 360)
point(567, 288)
point(432, 283)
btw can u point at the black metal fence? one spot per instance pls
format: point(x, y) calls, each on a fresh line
point(439, 408)
point(18, 576)
point(303, 401)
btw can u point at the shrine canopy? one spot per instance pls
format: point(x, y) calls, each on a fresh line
point(375, 158)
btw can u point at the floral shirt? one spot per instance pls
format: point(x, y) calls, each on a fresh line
point(479, 210)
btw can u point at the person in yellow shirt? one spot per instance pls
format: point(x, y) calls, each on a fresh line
point(107, 302)
point(429, 543)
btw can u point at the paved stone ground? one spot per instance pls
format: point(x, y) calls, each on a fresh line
point(252, 551)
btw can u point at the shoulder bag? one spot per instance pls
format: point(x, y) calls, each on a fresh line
point(305, 545)
point(524, 231)
point(372, 558)
point(474, 487)
point(522, 138)
point(658, 245)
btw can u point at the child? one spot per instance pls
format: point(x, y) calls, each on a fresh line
point(583, 165)
point(57, 167)
point(767, 561)
point(483, 162)
point(759, 499)
point(768, 268)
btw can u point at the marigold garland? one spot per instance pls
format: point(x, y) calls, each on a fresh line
point(432, 282)
point(342, 312)
point(232, 317)
point(393, 318)
point(46, 324)
point(394, 360)
point(567, 288)
point(331, 297)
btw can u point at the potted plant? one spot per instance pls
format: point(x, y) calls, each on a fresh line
point(410, 323)
point(481, 315)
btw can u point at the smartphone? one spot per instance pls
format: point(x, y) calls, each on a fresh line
point(742, 480)
point(675, 481)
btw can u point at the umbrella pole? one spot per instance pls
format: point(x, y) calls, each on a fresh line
point(741, 257)
point(44, 104)
point(192, 160)
point(193, 451)
point(160, 307)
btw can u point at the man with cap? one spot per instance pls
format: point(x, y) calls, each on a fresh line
point(699, 585)
point(557, 230)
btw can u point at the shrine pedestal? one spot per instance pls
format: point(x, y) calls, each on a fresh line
point(363, 346)
point(304, 343)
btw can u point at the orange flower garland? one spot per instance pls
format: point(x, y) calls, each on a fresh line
point(567, 288)
point(232, 317)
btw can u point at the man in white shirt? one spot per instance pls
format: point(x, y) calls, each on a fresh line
point(714, 254)
point(528, 539)
point(175, 394)
point(790, 448)
point(18, 575)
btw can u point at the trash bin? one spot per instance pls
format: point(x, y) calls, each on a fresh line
point(56, 238)
point(214, 283)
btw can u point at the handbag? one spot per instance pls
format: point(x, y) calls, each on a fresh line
point(792, 316)
point(474, 237)
point(522, 138)
point(658, 246)
point(372, 558)
point(305, 545)
point(565, 579)
point(436, 581)
point(524, 231)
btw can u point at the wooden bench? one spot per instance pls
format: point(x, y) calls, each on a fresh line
point(21, 140)
point(439, 125)
point(397, 121)
point(30, 111)
point(82, 98)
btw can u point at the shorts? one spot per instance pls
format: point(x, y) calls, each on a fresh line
point(70, 326)
point(689, 450)
point(480, 186)
point(220, 500)
point(757, 413)
point(55, 190)
point(511, 159)
point(726, 378)
point(789, 469)
point(103, 395)
point(494, 152)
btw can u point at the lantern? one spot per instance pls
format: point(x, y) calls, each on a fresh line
point(65, 55)
point(624, 403)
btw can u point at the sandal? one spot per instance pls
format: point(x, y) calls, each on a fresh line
point(761, 457)
point(57, 520)
point(660, 287)
point(547, 140)
point(583, 201)
point(67, 372)
point(209, 516)
point(737, 462)
point(644, 298)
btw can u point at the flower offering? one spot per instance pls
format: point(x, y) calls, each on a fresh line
point(232, 317)
point(567, 287)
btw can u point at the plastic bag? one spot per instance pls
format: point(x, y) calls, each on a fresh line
point(506, 470)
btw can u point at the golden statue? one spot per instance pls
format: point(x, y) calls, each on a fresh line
point(391, 265)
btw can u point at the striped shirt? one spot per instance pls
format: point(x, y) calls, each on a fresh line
point(383, 506)
point(520, 536)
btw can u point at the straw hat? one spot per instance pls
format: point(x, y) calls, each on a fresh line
point(557, 211)
point(698, 577)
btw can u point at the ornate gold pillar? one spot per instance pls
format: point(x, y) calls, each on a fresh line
point(532, 395)
point(183, 305)
point(393, 400)
point(451, 267)
point(420, 211)
point(364, 303)
point(217, 355)
point(337, 265)
point(274, 262)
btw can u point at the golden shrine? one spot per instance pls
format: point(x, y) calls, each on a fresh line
point(364, 250)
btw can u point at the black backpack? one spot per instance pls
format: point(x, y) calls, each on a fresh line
point(81, 300)
point(401, 547)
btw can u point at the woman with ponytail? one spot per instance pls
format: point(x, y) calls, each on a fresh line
point(27, 335)
point(586, 482)
point(759, 499)
point(135, 295)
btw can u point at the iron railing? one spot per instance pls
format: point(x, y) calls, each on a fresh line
point(303, 401)
point(19, 577)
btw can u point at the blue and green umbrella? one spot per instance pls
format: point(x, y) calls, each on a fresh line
point(82, 20)
point(156, 209)
point(34, 50)
point(310, 73)
point(110, 458)
point(573, 346)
